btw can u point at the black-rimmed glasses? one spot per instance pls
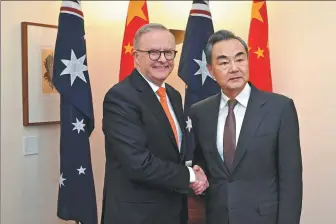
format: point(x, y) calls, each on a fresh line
point(156, 54)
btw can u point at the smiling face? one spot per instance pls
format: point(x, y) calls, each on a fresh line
point(229, 66)
point(158, 70)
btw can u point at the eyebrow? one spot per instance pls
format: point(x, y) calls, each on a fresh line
point(226, 57)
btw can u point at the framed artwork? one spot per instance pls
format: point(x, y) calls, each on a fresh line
point(40, 99)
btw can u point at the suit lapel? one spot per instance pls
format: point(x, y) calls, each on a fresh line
point(212, 114)
point(178, 113)
point(151, 100)
point(252, 119)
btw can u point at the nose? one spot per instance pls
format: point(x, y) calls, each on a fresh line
point(234, 67)
point(162, 58)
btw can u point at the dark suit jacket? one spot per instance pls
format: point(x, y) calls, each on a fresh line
point(146, 180)
point(264, 186)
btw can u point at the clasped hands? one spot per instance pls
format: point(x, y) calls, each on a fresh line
point(201, 183)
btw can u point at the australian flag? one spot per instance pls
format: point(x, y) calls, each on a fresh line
point(192, 67)
point(76, 195)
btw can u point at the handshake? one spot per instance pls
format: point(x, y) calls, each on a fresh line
point(201, 183)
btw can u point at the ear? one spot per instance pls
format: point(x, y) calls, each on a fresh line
point(135, 56)
point(210, 69)
point(134, 53)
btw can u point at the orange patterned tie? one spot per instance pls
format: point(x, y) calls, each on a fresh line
point(163, 100)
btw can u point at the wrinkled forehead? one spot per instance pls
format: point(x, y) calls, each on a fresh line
point(229, 48)
point(157, 39)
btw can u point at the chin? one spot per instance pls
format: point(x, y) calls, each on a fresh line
point(237, 85)
point(158, 79)
point(162, 75)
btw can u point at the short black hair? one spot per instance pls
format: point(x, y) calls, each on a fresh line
point(219, 36)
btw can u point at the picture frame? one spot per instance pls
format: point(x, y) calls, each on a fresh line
point(40, 99)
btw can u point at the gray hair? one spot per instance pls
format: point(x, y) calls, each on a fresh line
point(219, 36)
point(146, 29)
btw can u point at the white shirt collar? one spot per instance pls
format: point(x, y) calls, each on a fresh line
point(151, 84)
point(242, 98)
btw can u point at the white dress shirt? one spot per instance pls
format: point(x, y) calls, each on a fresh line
point(239, 112)
point(155, 88)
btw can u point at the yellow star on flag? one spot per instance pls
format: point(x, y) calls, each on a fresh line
point(128, 48)
point(135, 9)
point(259, 52)
point(249, 48)
point(256, 6)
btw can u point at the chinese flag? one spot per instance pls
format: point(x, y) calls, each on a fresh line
point(259, 57)
point(137, 16)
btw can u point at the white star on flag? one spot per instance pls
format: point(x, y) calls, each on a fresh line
point(61, 180)
point(81, 170)
point(75, 67)
point(189, 124)
point(203, 70)
point(79, 126)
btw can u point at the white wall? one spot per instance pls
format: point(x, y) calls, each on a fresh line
point(302, 45)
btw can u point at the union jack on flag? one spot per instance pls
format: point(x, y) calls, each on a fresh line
point(76, 195)
point(192, 67)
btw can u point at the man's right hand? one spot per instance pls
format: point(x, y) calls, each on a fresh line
point(201, 183)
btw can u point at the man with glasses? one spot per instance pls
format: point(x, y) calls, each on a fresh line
point(146, 180)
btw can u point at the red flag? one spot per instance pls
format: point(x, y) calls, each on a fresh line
point(260, 69)
point(137, 16)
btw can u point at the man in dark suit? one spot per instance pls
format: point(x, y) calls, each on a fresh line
point(247, 143)
point(146, 180)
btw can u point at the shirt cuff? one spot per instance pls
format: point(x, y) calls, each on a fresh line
point(192, 174)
